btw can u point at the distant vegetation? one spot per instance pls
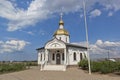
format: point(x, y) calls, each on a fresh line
point(103, 67)
point(6, 67)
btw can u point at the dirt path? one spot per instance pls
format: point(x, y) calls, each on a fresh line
point(70, 74)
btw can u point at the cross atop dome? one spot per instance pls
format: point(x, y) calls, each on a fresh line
point(61, 15)
point(61, 20)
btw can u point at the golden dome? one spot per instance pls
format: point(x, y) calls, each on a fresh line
point(61, 32)
point(61, 22)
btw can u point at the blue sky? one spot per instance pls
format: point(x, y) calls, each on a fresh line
point(28, 24)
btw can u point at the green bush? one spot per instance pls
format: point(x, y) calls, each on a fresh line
point(105, 70)
point(108, 67)
point(117, 67)
point(102, 67)
point(95, 66)
point(31, 64)
point(83, 64)
point(12, 67)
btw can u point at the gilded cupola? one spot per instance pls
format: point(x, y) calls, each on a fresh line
point(61, 30)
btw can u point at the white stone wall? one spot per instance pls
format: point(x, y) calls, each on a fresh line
point(64, 38)
point(71, 51)
point(55, 44)
point(41, 53)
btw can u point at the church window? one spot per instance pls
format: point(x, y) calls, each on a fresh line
point(74, 56)
point(63, 56)
point(53, 57)
point(66, 39)
point(41, 57)
point(44, 56)
point(85, 55)
point(81, 56)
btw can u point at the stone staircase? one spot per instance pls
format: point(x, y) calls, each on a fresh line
point(55, 67)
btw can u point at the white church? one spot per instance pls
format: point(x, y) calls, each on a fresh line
point(58, 53)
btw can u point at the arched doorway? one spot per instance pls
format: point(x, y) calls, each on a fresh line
point(58, 58)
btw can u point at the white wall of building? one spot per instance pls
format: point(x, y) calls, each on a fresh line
point(71, 52)
point(55, 44)
point(41, 56)
point(64, 38)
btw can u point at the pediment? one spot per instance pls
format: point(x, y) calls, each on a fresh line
point(55, 43)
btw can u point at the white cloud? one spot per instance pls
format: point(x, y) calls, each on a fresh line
point(12, 46)
point(110, 14)
point(30, 32)
point(95, 13)
point(42, 9)
point(102, 48)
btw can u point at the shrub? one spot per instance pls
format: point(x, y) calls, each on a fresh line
point(83, 64)
point(11, 67)
point(31, 64)
point(95, 66)
point(102, 67)
point(117, 67)
point(104, 70)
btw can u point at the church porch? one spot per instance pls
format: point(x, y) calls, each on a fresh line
point(55, 59)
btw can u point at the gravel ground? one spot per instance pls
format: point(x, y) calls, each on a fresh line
point(70, 74)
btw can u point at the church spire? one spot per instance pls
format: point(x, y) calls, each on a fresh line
point(61, 23)
point(61, 33)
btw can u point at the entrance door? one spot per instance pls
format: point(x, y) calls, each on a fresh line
point(58, 58)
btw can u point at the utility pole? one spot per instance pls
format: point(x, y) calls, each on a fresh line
point(86, 29)
point(109, 58)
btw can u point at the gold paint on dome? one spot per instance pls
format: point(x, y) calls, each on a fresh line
point(61, 32)
point(61, 22)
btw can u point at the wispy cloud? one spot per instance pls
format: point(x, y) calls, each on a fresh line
point(110, 13)
point(27, 32)
point(38, 10)
point(42, 32)
point(30, 32)
point(95, 13)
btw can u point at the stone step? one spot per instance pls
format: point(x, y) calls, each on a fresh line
point(55, 67)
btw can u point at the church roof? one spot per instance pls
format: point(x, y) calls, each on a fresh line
point(40, 48)
point(67, 45)
point(74, 45)
point(61, 32)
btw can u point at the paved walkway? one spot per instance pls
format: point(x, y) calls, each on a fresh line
point(70, 74)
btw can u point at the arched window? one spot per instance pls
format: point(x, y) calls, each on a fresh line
point(41, 57)
point(85, 56)
point(63, 56)
point(74, 56)
point(44, 56)
point(66, 39)
point(53, 56)
point(81, 56)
